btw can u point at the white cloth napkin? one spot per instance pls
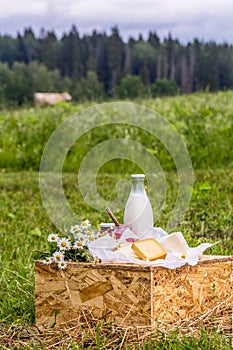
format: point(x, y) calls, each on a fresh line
point(103, 248)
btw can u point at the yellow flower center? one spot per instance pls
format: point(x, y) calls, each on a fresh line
point(63, 244)
point(79, 244)
point(84, 223)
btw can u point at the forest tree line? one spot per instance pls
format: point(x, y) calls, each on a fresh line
point(100, 66)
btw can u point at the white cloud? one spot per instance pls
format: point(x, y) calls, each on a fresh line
point(186, 19)
point(148, 10)
point(14, 8)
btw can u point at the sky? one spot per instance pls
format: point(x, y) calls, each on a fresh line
point(184, 19)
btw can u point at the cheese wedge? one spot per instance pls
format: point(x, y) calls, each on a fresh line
point(176, 243)
point(149, 249)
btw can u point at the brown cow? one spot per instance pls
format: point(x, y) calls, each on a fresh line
point(46, 98)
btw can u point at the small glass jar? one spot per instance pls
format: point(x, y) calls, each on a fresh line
point(106, 227)
point(119, 230)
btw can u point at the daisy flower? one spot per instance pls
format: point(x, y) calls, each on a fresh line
point(77, 245)
point(89, 232)
point(85, 224)
point(48, 261)
point(75, 229)
point(92, 237)
point(82, 238)
point(58, 256)
point(63, 244)
point(53, 237)
point(62, 264)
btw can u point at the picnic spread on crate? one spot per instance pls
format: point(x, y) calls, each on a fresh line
point(131, 273)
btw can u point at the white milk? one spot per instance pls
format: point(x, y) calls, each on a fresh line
point(138, 211)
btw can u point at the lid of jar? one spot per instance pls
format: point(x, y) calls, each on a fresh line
point(137, 176)
point(107, 224)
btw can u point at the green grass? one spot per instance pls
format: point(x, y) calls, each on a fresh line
point(205, 123)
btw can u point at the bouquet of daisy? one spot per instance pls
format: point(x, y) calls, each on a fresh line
point(71, 246)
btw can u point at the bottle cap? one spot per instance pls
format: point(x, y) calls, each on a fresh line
point(137, 176)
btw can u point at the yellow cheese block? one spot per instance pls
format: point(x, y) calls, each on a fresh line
point(149, 249)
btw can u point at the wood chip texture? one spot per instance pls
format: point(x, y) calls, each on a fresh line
point(131, 295)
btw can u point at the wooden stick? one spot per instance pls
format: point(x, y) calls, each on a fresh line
point(110, 213)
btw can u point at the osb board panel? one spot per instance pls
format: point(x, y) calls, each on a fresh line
point(130, 294)
point(119, 295)
point(191, 291)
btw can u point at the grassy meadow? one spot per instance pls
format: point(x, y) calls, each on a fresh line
point(205, 121)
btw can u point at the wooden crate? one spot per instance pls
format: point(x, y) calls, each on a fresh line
point(129, 294)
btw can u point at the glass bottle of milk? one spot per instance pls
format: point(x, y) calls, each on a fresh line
point(138, 211)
